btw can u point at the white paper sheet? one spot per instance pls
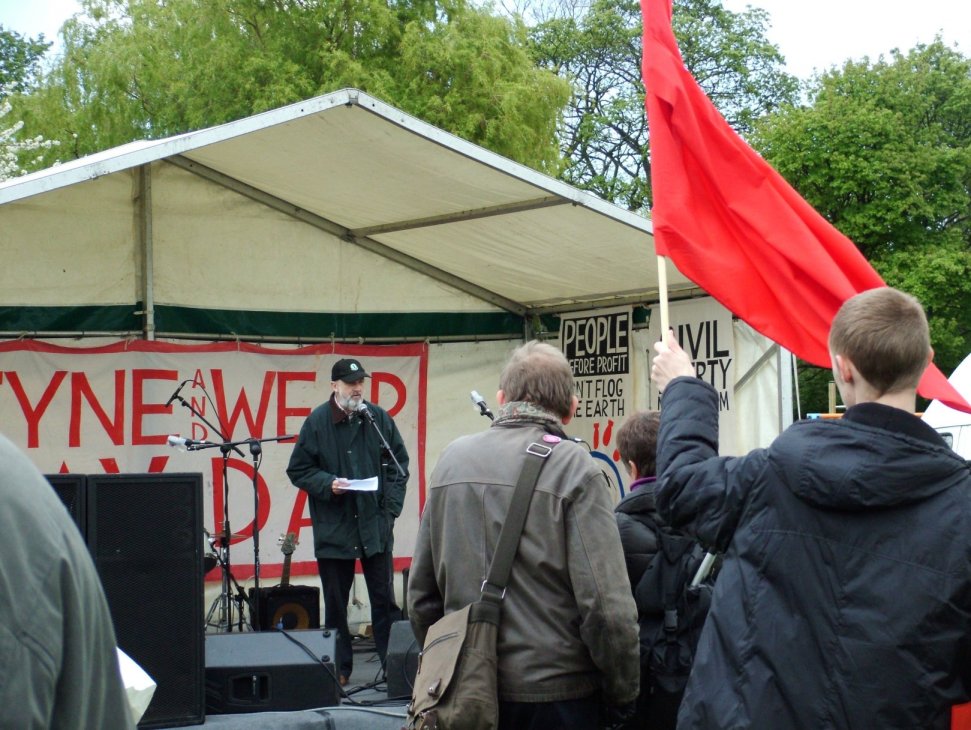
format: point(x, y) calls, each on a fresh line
point(361, 485)
point(139, 687)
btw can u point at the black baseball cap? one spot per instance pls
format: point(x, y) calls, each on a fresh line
point(349, 370)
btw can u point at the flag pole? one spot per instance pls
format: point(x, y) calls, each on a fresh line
point(704, 569)
point(662, 290)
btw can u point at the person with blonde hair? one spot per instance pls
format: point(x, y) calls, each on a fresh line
point(844, 598)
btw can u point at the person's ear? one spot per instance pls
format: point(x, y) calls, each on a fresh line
point(501, 397)
point(574, 402)
point(632, 470)
point(844, 367)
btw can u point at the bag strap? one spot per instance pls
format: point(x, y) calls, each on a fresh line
point(512, 528)
point(673, 579)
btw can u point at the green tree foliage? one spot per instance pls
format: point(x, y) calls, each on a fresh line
point(883, 151)
point(604, 138)
point(15, 153)
point(19, 60)
point(136, 69)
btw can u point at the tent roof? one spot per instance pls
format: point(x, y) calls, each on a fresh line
point(376, 178)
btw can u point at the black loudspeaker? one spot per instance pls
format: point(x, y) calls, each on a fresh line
point(402, 663)
point(72, 489)
point(290, 607)
point(144, 532)
point(260, 671)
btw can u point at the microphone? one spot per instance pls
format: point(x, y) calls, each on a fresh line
point(364, 411)
point(480, 402)
point(176, 394)
point(183, 443)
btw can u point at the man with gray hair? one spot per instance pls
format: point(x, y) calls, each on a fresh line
point(567, 643)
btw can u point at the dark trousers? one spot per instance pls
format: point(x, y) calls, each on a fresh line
point(656, 709)
point(582, 714)
point(336, 578)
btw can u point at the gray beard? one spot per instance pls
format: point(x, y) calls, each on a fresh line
point(349, 404)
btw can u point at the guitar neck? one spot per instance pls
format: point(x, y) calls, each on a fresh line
point(285, 577)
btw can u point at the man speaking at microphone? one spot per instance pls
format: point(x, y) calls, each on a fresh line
point(339, 442)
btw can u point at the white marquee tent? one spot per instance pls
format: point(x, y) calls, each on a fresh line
point(362, 210)
point(336, 220)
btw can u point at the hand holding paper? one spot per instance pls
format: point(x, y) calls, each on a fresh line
point(360, 485)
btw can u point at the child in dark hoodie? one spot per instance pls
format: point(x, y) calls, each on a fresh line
point(640, 527)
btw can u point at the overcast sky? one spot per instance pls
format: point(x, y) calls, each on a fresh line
point(811, 35)
point(823, 33)
point(33, 17)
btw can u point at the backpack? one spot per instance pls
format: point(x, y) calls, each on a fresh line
point(671, 611)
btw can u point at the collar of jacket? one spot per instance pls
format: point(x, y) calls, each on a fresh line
point(337, 414)
point(892, 419)
point(517, 414)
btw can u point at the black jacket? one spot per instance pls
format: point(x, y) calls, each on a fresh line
point(636, 520)
point(354, 524)
point(844, 599)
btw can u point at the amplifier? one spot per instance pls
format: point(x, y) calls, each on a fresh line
point(290, 607)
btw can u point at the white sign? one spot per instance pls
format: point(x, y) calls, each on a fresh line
point(703, 327)
point(598, 346)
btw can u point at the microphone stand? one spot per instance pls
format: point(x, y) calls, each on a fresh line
point(369, 417)
point(480, 403)
point(256, 450)
point(363, 411)
point(226, 535)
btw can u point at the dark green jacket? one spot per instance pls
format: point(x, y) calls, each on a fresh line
point(354, 524)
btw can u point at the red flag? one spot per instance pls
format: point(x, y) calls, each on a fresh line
point(961, 717)
point(735, 227)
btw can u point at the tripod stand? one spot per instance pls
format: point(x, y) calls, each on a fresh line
point(224, 601)
point(256, 450)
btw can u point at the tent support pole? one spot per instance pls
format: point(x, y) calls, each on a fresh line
point(786, 361)
point(143, 207)
point(528, 333)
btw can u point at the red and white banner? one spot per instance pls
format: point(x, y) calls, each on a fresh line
point(102, 410)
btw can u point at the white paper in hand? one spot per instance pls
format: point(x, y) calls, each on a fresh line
point(139, 687)
point(361, 485)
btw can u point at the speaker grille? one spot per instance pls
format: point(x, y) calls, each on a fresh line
point(145, 534)
point(71, 488)
point(290, 607)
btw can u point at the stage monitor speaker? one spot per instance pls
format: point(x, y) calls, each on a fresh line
point(261, 671)
point(72, 489)
point(144, 532)
point(402, 663)
point(289, 607)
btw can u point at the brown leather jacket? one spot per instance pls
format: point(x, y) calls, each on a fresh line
point(569, 624)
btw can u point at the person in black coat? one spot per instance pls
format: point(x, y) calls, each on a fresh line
point(344, 439)
point(844, 597)
point(636, 513)
point(639, 525)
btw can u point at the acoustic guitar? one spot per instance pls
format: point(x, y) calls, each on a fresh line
point(288, 544)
